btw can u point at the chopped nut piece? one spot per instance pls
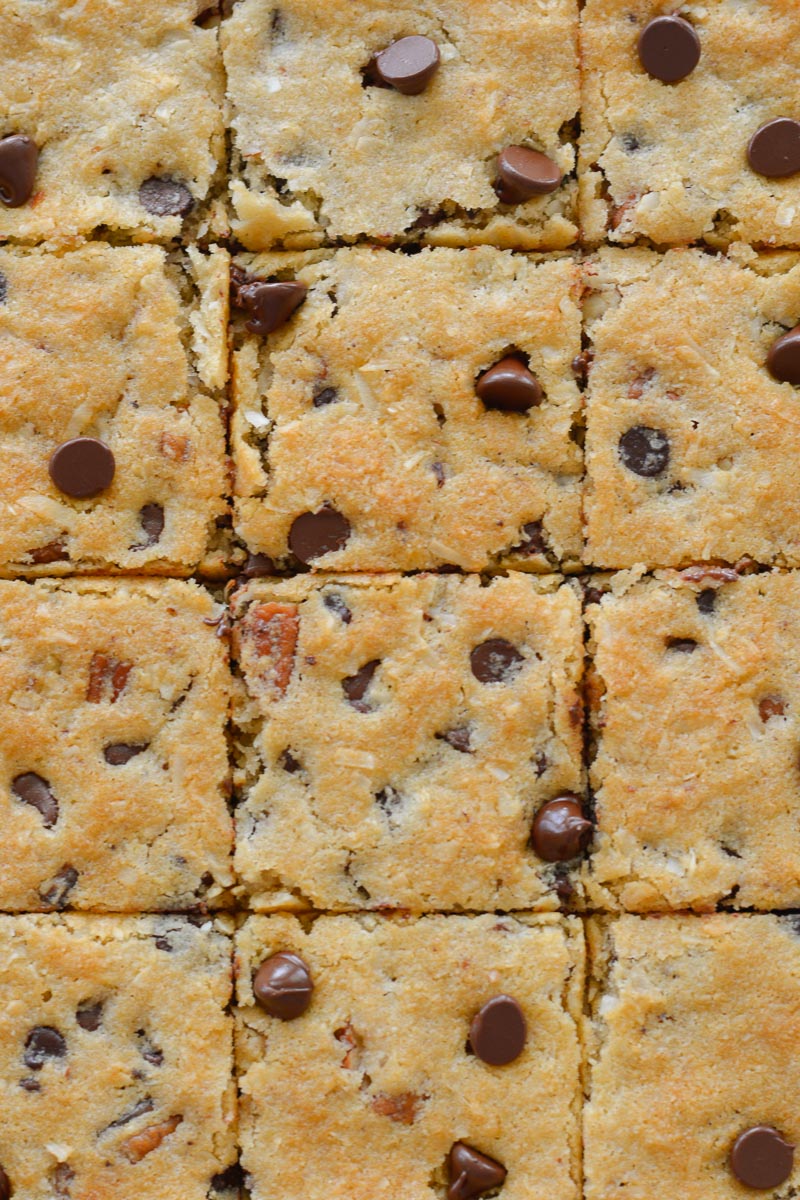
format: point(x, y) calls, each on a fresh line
point(269, 635)
point(106, 674)
point(139, 1144)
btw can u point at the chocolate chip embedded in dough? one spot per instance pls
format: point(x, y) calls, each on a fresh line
point(645, 451)
point(19, 158)
point(495, 661)
point(561, 830)
point(783, 357)
point(314, 534)
point(761, 1157)
point(523, 173)
point(774, 149)
point(498, 1031)
point(164, 197)
point(669, 48)
point(471, 1173)
point(82, 467)
point(409, 64)
point(283, 986)
point(509, 386)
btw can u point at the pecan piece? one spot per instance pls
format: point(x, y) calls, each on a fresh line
point(139, 1144)
point(267, 643)
point(403, 1108)
point(107, 678)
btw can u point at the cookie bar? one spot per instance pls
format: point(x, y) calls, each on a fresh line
point(690, 122)
point(422, 121)
point(112, 441)
point(695, 714)
point(377, 1041)
point(399, 736)
point(692, 1070)
point(414, 411)
point(693, 434)
point(115, 698)
point(109, 123)
point(116, 1058)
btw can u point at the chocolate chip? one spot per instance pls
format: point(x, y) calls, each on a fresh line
point(388, 800)
point(645, 451)
point(82, 467)
point(783, 357)
point(164, 944)
point(6, 1190)
point(270, 304)
point(118, 753)
point(289, 763)
point(230, 1180)
point(495, 661)
point(282, 986)
point(355, 686)
point(3, 288)
point(50, 553)
point(257, 566)
point(321, 532)
point(138, 1109)
point(471, 1173)
point(630, 144)
point(29, 1084)
point(706, 601)
point(561, 831)
point(54, 893)
point(166, 197)
point(459, 739)
point(19, 157)
point(761, 1157)
point(682, 645)
point(532, 541)
point(334, 602)
point(325, 396)
point(509, 386)
point(774, 149)
point(151, 519)
point(438, 472)
point(524, 173)
point(43, 1042)
point(151, 1054)
point(669, 48)
point(408, 65)
point(31, 789)
point(498, 1031)
point(90, 1015)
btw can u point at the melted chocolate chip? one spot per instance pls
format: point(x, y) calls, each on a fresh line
point(314, 534)
point(55, 892)
point(471, 1173)
point(270, 304)
point(498, 1031)
point(230, 1180)
point(90, 1015)
point(31, 789)
point(523, 173)
point(408, 65)
point(783, 358)
point(706, 600)
point(118, 753)
point(29, 1084)
point(495, 661)
point(681, 645)
point(130, 1114)
point(388, 800)
point(774, 149)
point(43, 1043)
point(532, 541)
point(289, 763)
point(355, 686)
point(257, 566)
point(151, 519)
point(163, 943)
point(459, 739)
point(561, 831)
point(6, 1190)
point(166, 197)
point(669, 48)
point(52, 552)
point(82, 467)
point(325, 396)
point(19, 158)
point(335, 604)
point(761, 1157)
point(282, 986)
point(645, 451)
point(509, 386)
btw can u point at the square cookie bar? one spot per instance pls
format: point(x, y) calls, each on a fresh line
point(397, 737)
point(361, 441)
point(116, 1058)
point(112, 443)
point(692, 1065)
point(437, 1056)
point(114, 781)
point(690, 121)
point(422, 120)
point(109, 121)
point(696, 716)
point(693, 424)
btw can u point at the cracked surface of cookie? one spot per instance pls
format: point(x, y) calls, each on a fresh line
point(114, 769)
point(377, 1071)
point(116, 1057)
point(324, 150)
point(123, 348)
point(131, 136)
point(691, 444)
point(695, 716)
point(365, 403)
point(690, 1042)
point(398, 735)
point(669, 161)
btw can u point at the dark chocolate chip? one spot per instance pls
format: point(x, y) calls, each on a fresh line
point(151, 519)
point(388, 800)
point(54, 893)
point(355, 686)
point(774, 149)
point(166, 197)
point(645, 451)
point(523, 173)
point(42, 1043)
point(471, 1173)
point(334, 602)
point(783, 358)
point(3, 288)
point(325, 396)
point(561, 831)
point(282, 986)
point(682, 645)
point(289, 763)
point(6, 1190)
point(509, 386)
point(630, 144)
point(258, 565)
point(31, 789)
point(459, 739)
point(669, 48)
point(317, 533)
point(761, 1157)
point(152, 1055)
point(163, 943)
point(582, 365)
point(706, 601)
point(82, 467)
point(19, 157)
point(29, 1084)
point(50, 553)
point(138, 1109)
point(532, 541)
point(498, 1031)
point(270, 304)
point(90, 1015)
point(409, 64)
point(230, 1180)
point(118, 753)
point(495, 661)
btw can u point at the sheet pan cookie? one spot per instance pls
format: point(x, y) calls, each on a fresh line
point(113, 361)
point(330, 144)
point(372, 1038)
point(693, 421)
point(695, 710)
point(692, 1070)
point(116, 1056)
point(109, 122)
point(407, 741)
point(371, 430)
point(690, 125)
point(115, 697)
